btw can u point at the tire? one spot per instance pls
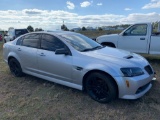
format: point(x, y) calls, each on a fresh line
point(15, 68)
point(101, 87)
point(4, 41)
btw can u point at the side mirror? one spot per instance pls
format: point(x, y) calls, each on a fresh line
point(62, 52)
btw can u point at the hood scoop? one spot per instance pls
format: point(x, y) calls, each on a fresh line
point(128, 57)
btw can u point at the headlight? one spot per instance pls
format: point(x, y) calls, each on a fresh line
point(130, 72)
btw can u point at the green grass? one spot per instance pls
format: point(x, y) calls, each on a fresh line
point(31, 98)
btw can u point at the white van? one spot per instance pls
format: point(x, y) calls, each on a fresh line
point(14, 33)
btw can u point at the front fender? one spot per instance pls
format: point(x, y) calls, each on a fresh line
point(102, 67)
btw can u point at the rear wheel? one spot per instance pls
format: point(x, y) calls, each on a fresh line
point(15, 67)
point(101, 87)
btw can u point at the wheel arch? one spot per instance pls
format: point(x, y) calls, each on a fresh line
point(100, 71)
point(14, 57)
point(18, 69)
point(11, 57)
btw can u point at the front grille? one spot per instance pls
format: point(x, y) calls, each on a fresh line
point(148, 69)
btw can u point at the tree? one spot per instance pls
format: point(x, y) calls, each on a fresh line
point(30, 28)
point(38, 29)
point(64, 27)
point(100, 29)
point(83, 29)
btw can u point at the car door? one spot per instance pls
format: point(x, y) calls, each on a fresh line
point(134, 39)
point(27, 52)
point(52, 65)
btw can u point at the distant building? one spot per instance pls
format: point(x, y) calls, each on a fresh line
point(108, 28)
point(111, 28)
point(120, 28)
point(90, 29)
point(105, 28)
point(76, 29)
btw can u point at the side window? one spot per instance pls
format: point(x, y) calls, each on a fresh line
point(31, 40)
point(9, 33)
point(136, 30)
point(51, 43)
point(19, 41)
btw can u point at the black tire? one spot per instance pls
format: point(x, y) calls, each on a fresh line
point(4, 41)
point(101, 87)
point(15, 67)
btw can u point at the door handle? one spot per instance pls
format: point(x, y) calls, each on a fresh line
point(42, 54)
point(19, 49)
point(142, 38)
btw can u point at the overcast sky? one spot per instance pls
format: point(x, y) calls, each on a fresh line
point(49, 14)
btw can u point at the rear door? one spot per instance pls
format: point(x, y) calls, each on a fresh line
point(135, 39)
point(52, 65)
point(27, 51)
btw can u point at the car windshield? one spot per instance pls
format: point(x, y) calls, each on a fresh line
point(81, 42)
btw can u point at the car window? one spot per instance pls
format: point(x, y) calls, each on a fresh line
point(19, 41)
point(51, 43)
point(31, 40)
point(10, 32)
point(19, 32)
point(140, 29)
point(81, 42)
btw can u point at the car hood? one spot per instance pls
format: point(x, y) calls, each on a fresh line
point(118, 57)
point(111, 35)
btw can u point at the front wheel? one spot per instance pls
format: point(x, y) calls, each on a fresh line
point(15, 67)
point(101, 87)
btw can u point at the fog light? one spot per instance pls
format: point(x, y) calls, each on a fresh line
point(127, 83)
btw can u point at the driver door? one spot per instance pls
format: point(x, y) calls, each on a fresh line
point(52, 65)
point(134, 39)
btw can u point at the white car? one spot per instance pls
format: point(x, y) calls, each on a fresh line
point(14, 33)
point(74, 60)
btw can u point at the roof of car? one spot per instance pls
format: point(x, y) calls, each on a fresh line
point(56, 32)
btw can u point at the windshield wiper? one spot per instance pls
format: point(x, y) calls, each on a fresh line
point(94, 48)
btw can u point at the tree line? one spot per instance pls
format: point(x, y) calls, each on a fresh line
point(64, 27)
point(31, 29)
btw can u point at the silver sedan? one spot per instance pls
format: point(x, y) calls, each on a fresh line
point(74, 60)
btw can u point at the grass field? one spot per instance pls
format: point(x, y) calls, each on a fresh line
point(31, 98)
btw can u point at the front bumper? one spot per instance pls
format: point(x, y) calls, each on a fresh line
point(137, 87)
